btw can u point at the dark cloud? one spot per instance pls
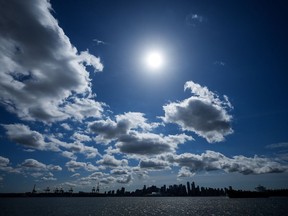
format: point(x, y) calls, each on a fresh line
point(108, 130)
point(153, 164)
point(131, 131)
point(149, 143)
point(42, 73)
point(23, 135)
point(119, 172)
point(204, 113)
point(133, 144)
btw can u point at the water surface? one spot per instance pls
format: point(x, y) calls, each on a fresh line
point(138, 206)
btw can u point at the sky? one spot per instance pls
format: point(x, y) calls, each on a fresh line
point(132, 93)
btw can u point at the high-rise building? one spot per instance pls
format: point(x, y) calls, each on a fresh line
point(188, 188)
point(193, 190)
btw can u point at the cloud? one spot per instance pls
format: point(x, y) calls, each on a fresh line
point(210, 160)
point(124, 180)
point(149, 143)
point(121, 175)
point(109, 130)
point(255, 165)
point(184, 172)
point(75, 175)
point(203, 113)
point(75, 165)
point(154, 164)
point(32, 164)
point(66, 126)
point(37, 169)
point(48, 178)
point(4, 161)
point(81, 137)
point(99, 42)
point(194, 19)
point(119, 171)
point(80, 108)
point(37, 174)
point(219, 63)
point(43, 76)
point(140, 173)
point(75, 147)
point(69, 155)
point(54, 167)
point(131, 131)
point(44, 176)
point(107, 180)
point(281, 145)
point(23, 135)
point(4, 164)
point(111, 161)
point(96, 176)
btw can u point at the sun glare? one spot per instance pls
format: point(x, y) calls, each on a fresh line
point(154, 60)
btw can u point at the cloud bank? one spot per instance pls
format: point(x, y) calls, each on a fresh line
point(211, 161)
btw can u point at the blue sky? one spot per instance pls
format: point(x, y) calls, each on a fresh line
point(80, 104)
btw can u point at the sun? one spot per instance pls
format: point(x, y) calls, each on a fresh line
point(154, 60)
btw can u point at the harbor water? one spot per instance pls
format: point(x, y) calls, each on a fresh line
point(138, 206)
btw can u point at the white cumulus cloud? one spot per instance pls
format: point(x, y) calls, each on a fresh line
point(203, 113)
point(109, 130)
point(43, 77)
point(74, 165)
point(111, 161)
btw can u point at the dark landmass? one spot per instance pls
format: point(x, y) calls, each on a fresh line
point(188, 190)
point(257, 194)
point(247, 194)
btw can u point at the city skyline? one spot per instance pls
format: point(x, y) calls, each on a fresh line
point(131, 93)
